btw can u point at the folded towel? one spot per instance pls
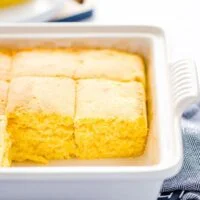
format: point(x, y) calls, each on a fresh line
point(186, 184)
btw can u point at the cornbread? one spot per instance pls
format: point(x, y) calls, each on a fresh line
point(5, 144)
point(110, 119)
point(5, 66)
point(71, 103)
point(40, 114)
point(110, 64)
point(3, 96)
point(45, 62)
point(80, 64)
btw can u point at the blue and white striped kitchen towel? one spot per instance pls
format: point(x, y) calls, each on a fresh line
point(186, 185)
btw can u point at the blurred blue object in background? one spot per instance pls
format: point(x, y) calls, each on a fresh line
point(48, 11)
point(75, 11)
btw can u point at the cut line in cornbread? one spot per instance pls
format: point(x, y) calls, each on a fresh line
point(5, 66)
point(40, 115)
point(110, 119)
point(3, 96)
point(80, 64)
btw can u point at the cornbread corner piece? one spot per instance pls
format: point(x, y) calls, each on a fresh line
point(5, 66)
point(5, 144)
point(40, 115)
point(3, 96)
point(110, 120)
point(110, 64)
point(45, 62)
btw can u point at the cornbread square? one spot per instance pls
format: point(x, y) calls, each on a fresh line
point(40, 118)
point(110, 119)
point(3, 96)
point(5, 66)
point(44, 62)
point(110, 64)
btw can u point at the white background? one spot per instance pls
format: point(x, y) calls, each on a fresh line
point(180, 20)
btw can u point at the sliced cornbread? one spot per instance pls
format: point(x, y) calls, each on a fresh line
point(5, 66)
point(110, 119)
point(80, 64)
point(3, 96)
point(110, 64)
point(44, 62)
point(5, 144)
point(63, 103)
point(40, 118)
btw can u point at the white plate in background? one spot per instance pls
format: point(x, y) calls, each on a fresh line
point(33, 11)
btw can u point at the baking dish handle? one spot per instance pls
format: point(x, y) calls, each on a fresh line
point(185, 84)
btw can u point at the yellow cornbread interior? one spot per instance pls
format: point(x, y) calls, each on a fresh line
point(40, 137)
point(110, 119)
point(40, 118)
point(114, 138)
point(5, 144)
point(73, 103)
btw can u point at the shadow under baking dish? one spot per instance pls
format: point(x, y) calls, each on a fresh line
point(140, 45)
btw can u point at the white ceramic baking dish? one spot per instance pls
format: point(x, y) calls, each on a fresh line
point(171, 87)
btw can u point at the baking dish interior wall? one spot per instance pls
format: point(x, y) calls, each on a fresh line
point(137, 44)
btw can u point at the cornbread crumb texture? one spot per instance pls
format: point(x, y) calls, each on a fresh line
point(80, 64)
point(5, 66)
point(110, 119)
point(40, 118)
point(5, 144)
point(3, 96)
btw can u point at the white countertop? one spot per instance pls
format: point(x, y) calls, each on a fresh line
point(179, 19)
